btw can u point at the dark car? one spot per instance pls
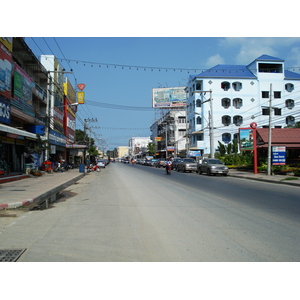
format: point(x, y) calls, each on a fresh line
point(175, 162)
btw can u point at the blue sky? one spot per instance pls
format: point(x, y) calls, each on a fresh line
point(97, 62)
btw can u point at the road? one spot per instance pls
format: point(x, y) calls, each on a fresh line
point(137, 213)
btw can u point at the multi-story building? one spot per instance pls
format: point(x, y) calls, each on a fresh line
point(169, 133)
point(138, 146)
point(23, 83)
point(33, 99)
point(227, 97)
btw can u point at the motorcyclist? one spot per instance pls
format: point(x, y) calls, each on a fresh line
point(168, 165)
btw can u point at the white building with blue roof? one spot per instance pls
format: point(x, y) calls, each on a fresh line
point(240, 95)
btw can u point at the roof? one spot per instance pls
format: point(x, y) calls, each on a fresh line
point(266, 57)
point(289, 137)
point(242, 71)
point(233, 71)
point(291, 75)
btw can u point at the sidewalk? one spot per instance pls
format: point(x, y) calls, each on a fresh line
point(26, 191)
point(22, 192)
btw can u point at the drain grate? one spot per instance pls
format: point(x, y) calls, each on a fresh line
point(11, 255)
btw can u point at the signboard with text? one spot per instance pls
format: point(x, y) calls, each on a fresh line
point(278, 155)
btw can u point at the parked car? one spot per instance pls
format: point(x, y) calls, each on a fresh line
point(212, 166)
point(175, 162)
point(101, 164)
point(187, 164)
point(151, 162)
point(160, 163)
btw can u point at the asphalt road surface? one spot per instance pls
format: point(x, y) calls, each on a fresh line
point(136, 213)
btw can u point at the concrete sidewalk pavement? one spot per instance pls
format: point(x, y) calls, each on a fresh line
point(33, 189)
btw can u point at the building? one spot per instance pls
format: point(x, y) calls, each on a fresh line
point(138, 146)
point(122, 151)
point(228, 97)
point(23, 103)
point(35, 107)
point(169, 134)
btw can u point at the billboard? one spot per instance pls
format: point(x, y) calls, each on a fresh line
point(23, 85)
point(168, 97)
point(246, 139)
point(5, 72)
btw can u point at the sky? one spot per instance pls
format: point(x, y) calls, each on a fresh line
point(120, 72)
point(95, 41)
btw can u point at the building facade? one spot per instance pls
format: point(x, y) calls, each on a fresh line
point(169, 134)
point(137, 146)
point(228, 97)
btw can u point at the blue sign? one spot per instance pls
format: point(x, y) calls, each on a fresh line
point(4, 111)
point(278, 155)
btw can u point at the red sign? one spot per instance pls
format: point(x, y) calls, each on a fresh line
point(81, 86)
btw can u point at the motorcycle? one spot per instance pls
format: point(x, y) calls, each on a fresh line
point(93, 168)
point(168, 168)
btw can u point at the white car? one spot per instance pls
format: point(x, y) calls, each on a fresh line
point(101, 164)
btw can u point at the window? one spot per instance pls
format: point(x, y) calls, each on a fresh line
point(226, 137)
point(265, 111)
point(289, 87)
point(237, 103)
point(265, 94)
point(237, 86)
point(226, 120)
point(181, 132)
point(225, 102)
point(181, 120)
point(198, 85)
point(199, 120)
point(269, 68)
point(277, 95)
point(290, 120)
point(277, 111)
point(198, 103)
point(225, 85)
point(238, 120)
point(289, 103)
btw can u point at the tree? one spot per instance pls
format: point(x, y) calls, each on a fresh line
point(151, 149)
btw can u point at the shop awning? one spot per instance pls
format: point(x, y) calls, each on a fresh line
point(16, 131)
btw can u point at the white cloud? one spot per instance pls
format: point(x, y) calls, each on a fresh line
point(248, 48)
point(214, 60)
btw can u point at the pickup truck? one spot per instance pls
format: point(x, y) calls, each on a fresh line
point(212, 166)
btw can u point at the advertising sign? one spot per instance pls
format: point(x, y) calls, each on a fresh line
point(5, 72)
point(246, 139)
point(278, 155)
point(22, 86)
point(168, 97)
point(69, 91)
point(7, 42)
point(80, 97)
point(194, 153)
point(4, 111)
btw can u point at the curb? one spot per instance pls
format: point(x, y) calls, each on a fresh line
point(266, 180)
point(43, 196)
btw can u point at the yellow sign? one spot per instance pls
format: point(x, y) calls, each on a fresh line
point(158, 138)
point(80, 97)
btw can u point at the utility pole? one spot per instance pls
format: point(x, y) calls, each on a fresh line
point(211, 127)
point(270, 133)
point(211, 122)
